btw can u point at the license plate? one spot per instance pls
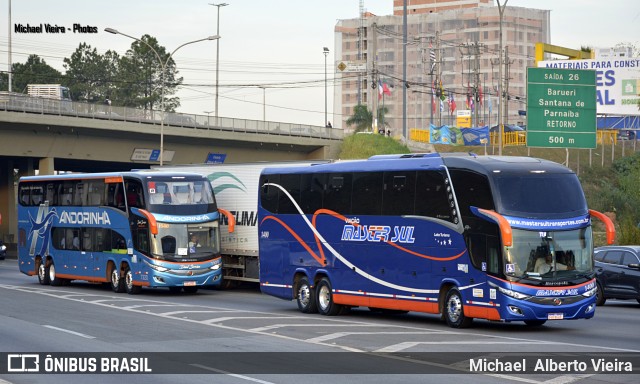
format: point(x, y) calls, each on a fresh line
point(189, 283)
point(555, 316)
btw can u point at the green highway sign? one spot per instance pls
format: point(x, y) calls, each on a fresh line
point(561, 108)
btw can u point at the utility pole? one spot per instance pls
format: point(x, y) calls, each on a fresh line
point(217, 58)
point(374, 79)
point(404, 71)
point(507, 77)
point(439, 75)
point(501, 8)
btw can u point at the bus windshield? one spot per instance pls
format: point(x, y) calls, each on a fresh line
point(540, 194)
point(191, 242)
point(549, 255)
point(180, 196)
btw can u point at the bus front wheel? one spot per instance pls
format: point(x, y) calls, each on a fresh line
point(454, 310)
point(306, 296)
point(326, 305)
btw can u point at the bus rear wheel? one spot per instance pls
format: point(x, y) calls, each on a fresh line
point(128, 282)
point(326, 305)
point(454, 310)
point(43, 273)
point(306, 297)
point(117, 282)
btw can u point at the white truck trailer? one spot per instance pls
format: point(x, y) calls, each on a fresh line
point(49, 91)
point(236, 189)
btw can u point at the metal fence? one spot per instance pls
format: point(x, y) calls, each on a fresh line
point(17, 102)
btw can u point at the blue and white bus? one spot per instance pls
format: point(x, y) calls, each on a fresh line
point(130, 229)
point(459, 235)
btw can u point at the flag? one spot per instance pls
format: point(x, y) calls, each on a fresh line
point(490, 106)
point(383, 89)
point(452, 103)
point(441, 105)
point(432, 56)
point(433, 98)
point(442, 93)
point(480, 96)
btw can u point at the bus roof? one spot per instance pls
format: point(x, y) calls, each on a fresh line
point(488, 165)
point(141, 174)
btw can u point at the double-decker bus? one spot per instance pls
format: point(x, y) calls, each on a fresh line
point(462, 236)
point(130, 229)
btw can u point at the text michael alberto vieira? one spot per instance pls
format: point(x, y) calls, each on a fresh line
point(53, 28)
point(549, 365)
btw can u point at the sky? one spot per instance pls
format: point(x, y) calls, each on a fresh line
point(274, 44)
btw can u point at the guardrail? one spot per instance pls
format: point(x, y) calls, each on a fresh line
point(17, 102)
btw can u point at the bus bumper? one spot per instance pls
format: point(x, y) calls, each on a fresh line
point(520, 310)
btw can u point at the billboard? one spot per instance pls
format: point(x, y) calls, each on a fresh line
point(617, 82)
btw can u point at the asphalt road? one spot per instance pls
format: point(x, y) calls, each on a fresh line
point(243, 336)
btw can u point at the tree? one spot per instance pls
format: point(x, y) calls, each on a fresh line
point(90, 74)
point(142, 79)
point(34, 71)
point(362, 118)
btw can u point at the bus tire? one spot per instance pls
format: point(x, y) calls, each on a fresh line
point(324, 295)
point(190, 290)
point(454, 310)
point(600, 299)
point(128, 282)
point(43, 273)
point(117, 282)
point(535, 323)
point(306, 296)
point(54, 280)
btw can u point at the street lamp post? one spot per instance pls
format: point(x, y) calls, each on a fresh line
point(217, 56)
point(163, 65)
point(325, 50)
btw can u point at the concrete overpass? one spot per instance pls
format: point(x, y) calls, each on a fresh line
point(53, 135)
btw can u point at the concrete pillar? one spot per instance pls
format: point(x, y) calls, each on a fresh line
point(7, 204)
point(46, 166)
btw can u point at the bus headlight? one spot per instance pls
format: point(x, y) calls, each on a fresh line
point(217, 264)
point(158, 268)
point(3, 247)
point(514, 294)
point(590, 292)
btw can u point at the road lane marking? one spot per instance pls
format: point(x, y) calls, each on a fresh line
point(69, 331)
point(243, 377)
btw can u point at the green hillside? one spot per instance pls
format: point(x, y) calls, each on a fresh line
point(611, 186)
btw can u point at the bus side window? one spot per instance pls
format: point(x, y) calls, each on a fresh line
point(337, 196)
point(432, 197)
point(80, 197)
point(66, 193)
point(367, 193)
point(399, 193)
point(291, 183)
point(51, 195)
point(25, 192)
point(37, 195)
point(269, 193)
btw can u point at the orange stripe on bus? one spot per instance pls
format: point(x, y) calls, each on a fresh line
point(386, 303)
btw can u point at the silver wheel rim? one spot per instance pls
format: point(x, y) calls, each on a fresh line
point(129, 279)
point(324, 297)
point(52, 272)
point(304, 295)
point(41, 271)
point(454, 308)
point(114, 278)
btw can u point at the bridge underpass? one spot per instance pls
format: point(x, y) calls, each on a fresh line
point(45, 143)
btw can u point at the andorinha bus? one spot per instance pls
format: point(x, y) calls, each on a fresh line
point(130, 229)
point(460, 235)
